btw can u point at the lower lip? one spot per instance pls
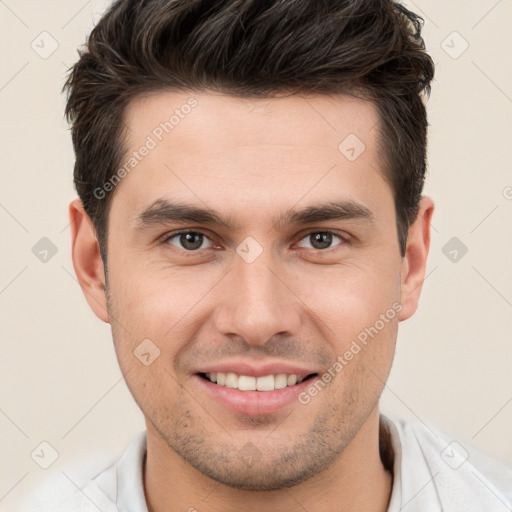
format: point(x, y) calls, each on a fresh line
point(254, 403)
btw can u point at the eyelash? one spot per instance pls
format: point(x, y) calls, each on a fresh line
point(344, 240)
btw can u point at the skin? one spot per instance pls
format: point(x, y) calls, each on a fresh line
point(253, 160)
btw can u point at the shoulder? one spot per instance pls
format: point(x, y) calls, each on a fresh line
point(61, 494)
point(80, 491)
point(462, 476)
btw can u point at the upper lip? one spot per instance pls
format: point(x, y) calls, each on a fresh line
point(257, 370)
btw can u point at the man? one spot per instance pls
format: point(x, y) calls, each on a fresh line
point(251, 224)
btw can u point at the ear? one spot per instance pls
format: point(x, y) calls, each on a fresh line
point(87, 259)
point(415, 260)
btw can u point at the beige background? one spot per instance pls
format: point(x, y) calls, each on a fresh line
point(61, 383)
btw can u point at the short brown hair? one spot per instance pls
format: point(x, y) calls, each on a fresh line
point(371, 49)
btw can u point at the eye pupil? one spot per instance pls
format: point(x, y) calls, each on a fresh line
point(193, 240)
point(186, 240)
point(324, 239)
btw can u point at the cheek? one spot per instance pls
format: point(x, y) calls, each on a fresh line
point(155, 297)
point(158, 302)
point(347, 299)
point(165, 306)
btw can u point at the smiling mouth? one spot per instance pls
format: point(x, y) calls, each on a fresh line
point(249, 383)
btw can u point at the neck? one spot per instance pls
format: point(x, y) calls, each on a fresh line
point(357, 480)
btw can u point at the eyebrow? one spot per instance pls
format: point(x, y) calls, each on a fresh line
point(163, 211)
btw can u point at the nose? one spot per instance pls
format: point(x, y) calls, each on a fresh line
point(258, 302)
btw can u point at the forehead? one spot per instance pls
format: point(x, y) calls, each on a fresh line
point(241, 155)
point(249, 121)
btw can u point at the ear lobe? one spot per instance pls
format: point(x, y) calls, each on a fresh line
point(87, 260)
point(415, 260)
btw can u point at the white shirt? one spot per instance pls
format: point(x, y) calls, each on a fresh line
point(432, 473)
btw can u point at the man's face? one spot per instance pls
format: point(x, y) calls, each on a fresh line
point(260, 297)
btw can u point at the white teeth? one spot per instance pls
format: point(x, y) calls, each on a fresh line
point(231, 380)
point(265, 383)
point(280, 381)
point(248, 383)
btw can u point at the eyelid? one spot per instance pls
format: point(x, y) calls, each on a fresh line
point(173, 234)
point(342, 235)
point(345, 238)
